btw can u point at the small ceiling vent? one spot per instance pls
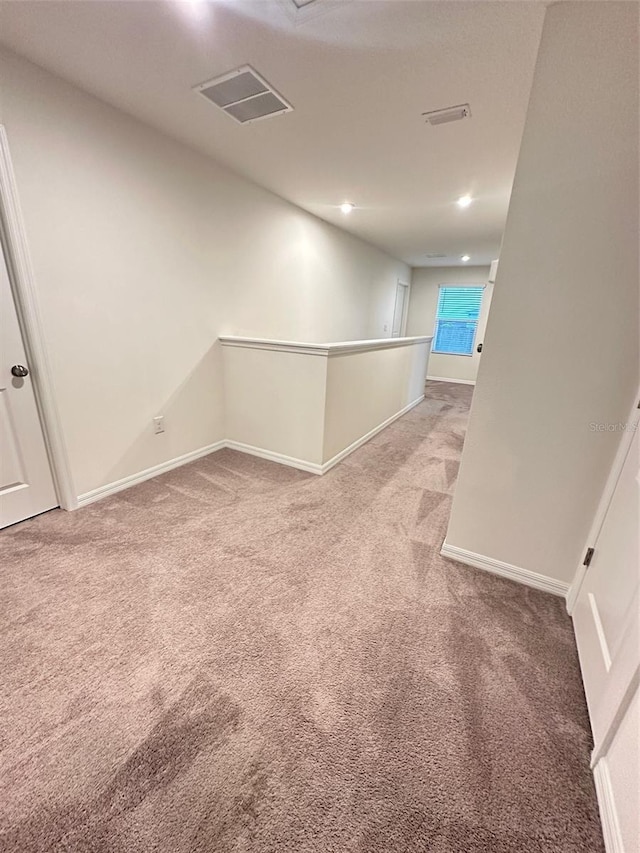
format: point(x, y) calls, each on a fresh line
point(301, 11)
point(433, 255)
point(448, 114)
point(244, 95)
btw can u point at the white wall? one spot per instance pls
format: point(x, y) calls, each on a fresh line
point(423, 305)
point(275, 401)
point(367, 388)
point(309, 404)
point(144, 252)
point(561, 348)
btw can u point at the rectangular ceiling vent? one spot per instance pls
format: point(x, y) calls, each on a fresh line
point(244, 95)
point(433, 255)
point(449, 114)
point(301, 11)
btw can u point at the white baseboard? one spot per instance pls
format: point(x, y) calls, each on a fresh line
point(505, 570)
point(147, 474)
point(610, 827)
point(365, 438)
point(457, 381)
point(272, 456)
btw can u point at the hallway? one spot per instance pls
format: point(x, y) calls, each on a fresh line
point(239, 657)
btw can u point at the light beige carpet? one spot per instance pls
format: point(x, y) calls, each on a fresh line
point(238, 657)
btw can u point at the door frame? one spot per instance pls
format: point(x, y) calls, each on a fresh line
point(605, 500)
point(22, 281)
point(405, 307)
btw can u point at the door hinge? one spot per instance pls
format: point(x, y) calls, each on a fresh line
point(588, 557)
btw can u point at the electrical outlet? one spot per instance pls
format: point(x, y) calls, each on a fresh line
point(386, 327)
point(158, 424)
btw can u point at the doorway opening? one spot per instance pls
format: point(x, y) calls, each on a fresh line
point(400, 311)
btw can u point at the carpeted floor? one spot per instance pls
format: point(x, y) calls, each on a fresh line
point(238, 657)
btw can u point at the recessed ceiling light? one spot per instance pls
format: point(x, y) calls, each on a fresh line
point(464, 201)
point(347, 207)
point(465, 258)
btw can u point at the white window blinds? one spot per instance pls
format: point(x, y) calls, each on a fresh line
point(457, 319)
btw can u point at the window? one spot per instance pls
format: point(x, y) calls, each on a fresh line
point(457, 319)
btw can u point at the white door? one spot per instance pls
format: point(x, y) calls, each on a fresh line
point(607, 620)
point(606, 614)
point(26, 483)
point(402, 292)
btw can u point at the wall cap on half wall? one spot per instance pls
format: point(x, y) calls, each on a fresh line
point(323, 349)
point(455, 381)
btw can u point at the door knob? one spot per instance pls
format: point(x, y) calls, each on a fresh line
point(19, 370)
point(479, 347)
